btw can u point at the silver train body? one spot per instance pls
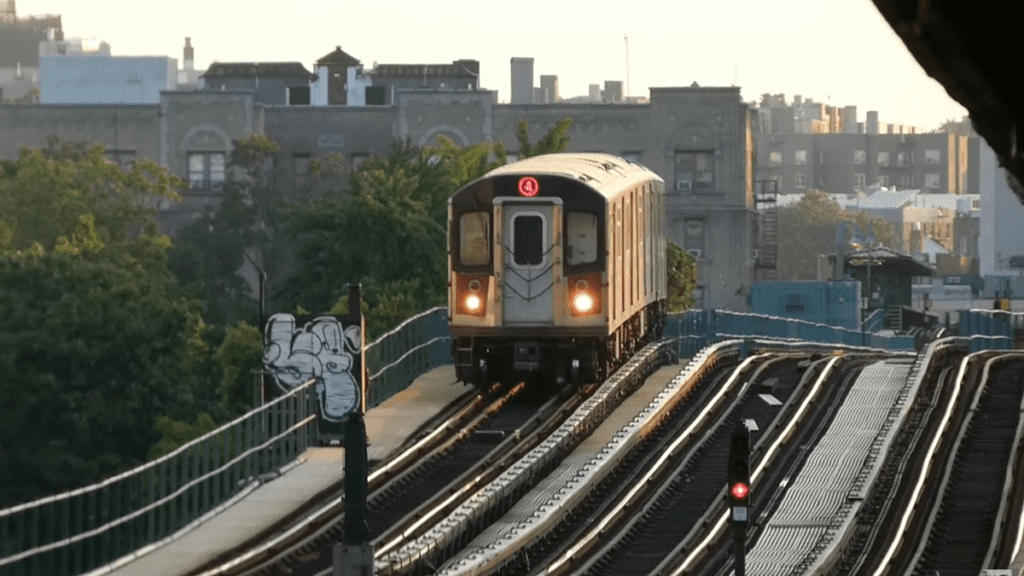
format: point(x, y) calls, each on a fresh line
point(556, 268)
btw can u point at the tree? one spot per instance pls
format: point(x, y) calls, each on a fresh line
point(961, 127)
point(209, 253)
point(96, 341)
point(44, 193)
point(95, 348)
point(387, 231)
point(556, 139)
point(809, 227)
point(682, 278)
point(239, 356)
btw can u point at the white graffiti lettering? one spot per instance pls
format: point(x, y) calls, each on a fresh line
point(321, 349)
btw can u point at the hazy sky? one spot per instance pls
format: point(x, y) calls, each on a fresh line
point(840, 52)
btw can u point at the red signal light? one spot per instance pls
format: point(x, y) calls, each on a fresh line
point(739, 490)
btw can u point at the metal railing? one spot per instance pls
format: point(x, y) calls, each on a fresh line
point(79, 530)
point(698, 328)
point(397, 358)
point(991, 329)
point(95, 525)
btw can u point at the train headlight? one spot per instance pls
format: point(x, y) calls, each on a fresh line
point(583, 302)
point(470, 296)
point(584, 295)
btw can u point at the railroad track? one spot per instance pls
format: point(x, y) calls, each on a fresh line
point(455, 443)
point(961, 512)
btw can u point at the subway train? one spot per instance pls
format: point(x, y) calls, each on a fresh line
point(556, 269)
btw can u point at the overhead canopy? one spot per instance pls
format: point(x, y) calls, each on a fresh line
point(886, 260)
point(967, 47)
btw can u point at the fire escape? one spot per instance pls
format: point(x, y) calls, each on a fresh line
point(766, 256)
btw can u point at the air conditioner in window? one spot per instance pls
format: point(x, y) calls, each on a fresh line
point(684, 185)
point(695, 252)
point(754, 253)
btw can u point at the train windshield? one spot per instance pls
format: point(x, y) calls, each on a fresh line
point(527, 239)
point(581, 238)
point(474, 239)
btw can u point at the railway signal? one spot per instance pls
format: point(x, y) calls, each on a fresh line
point(739, 493)
point(739, 474)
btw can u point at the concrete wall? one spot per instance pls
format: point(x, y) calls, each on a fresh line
point(1000, 236)
point(125, 128)
point(105, 79)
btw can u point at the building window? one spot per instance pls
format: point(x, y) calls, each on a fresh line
point(859, 156)
point(858, 180)
point(931, 180)
point(800, 157)
point(695, 171)
point(903, 159)
point(931, 156)
point(800, 180)
point(693, 241)
point(206, 170)
point(300, 169)
point(906, 182)
point(775, 158)
point(298, 95)
point(883, 181)
point(883, 158)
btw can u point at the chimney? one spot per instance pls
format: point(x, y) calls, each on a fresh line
point(189, 55)
point(872, 122)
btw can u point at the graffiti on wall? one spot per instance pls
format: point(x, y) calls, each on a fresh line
point(320, 348)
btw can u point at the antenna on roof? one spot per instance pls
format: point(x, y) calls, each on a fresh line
point(626, 39)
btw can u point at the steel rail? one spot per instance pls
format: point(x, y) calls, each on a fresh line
point(1003, 516)
point(916, 493)
point(720, 518)
point(667, 458)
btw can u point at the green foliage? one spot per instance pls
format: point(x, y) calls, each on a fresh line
point(94, 348)
point(809, 230)
point(176, 433)
point(385, 231)
point(556, 139)
point(239, 356)
point(682, 278)
point(44, 194)
point(96, 341)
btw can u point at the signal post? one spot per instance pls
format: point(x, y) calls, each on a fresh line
point(739, 493)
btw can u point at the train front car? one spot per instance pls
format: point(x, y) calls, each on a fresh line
point(556, 268)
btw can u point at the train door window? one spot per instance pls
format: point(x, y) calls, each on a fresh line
point(527, 239)
point(581, 238)
point(474, 239)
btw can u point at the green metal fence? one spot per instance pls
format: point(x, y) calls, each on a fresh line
point(92, 526)
point(397, 358)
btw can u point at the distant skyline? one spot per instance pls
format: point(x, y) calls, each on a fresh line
point(840, 53)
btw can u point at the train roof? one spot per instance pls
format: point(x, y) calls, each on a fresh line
point(605, 173)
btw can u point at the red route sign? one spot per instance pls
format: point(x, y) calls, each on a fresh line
point(528, 186)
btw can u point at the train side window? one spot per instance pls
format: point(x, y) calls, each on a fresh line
point(474, 239)
point(527, 239)
point(581, 238)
